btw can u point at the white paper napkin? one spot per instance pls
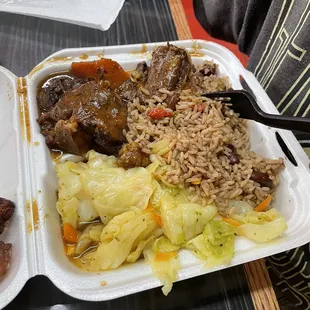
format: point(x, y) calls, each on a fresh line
point(98, 14)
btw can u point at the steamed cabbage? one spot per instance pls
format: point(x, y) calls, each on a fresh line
point(74, 205)
point(163, 257)
point(254, 217)
point(142, 214)
point(68, 209)
point(216, 244)
point(263, 232)
point(183, 221)
point(99, 188)
point(123, 238)
point(261, 226)
point(114, 190)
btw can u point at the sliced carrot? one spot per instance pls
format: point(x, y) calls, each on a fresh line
point(102, 69)
point(263, 205)
point(155, 216)
point(157, 219)
point(165, 256)
point(70, 233)
point(231, 221)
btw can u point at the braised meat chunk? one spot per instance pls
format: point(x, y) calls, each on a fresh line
point(141, 72)
point(131, 156)
point(172, 101)
point(86, 109)
point(203, 79)
point(170, 68)
point(69, 136)
point(89, 113)
point(5, 257)
point(129, 88)
point(208, 68)
point(6, 209)
point(2, 225)
point(52, 90)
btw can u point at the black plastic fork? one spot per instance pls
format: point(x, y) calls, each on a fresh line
point(243, 103)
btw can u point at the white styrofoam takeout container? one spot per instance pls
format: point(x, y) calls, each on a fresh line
point(28, 178)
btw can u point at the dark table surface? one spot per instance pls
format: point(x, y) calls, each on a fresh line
point(24, 42)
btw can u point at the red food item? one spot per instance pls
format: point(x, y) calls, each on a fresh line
point(159, 113)
point(102, 69)
point(200, 107)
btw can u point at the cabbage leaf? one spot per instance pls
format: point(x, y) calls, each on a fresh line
point(183, 220)
point(163, 257)
point(215, 245)
point(254, 217)
point(100, 188)
point(261, 226)
point(123, 238)
point(74, 205)
point(114, 190)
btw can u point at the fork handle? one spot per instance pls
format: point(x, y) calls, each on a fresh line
point(293, 123)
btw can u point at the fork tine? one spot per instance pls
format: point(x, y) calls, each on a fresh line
point(221, 99)
point(215, 94)
point(230, 96)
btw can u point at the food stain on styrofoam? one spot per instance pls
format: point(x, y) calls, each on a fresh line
point(23, 108)
point(196, 46)
point(36, 143)
point(40, 66)
point(143, 50)
point(55, 59)
point(36, 69)
point(32, 215)
point(196, 53)
point(29, 224)
point(46, 216)
point(84, 56)
point(35, 214)
point(196, 50)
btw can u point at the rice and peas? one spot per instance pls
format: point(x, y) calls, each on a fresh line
point(194, 144)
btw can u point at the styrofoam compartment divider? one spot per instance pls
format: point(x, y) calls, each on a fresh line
point(27, 174)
